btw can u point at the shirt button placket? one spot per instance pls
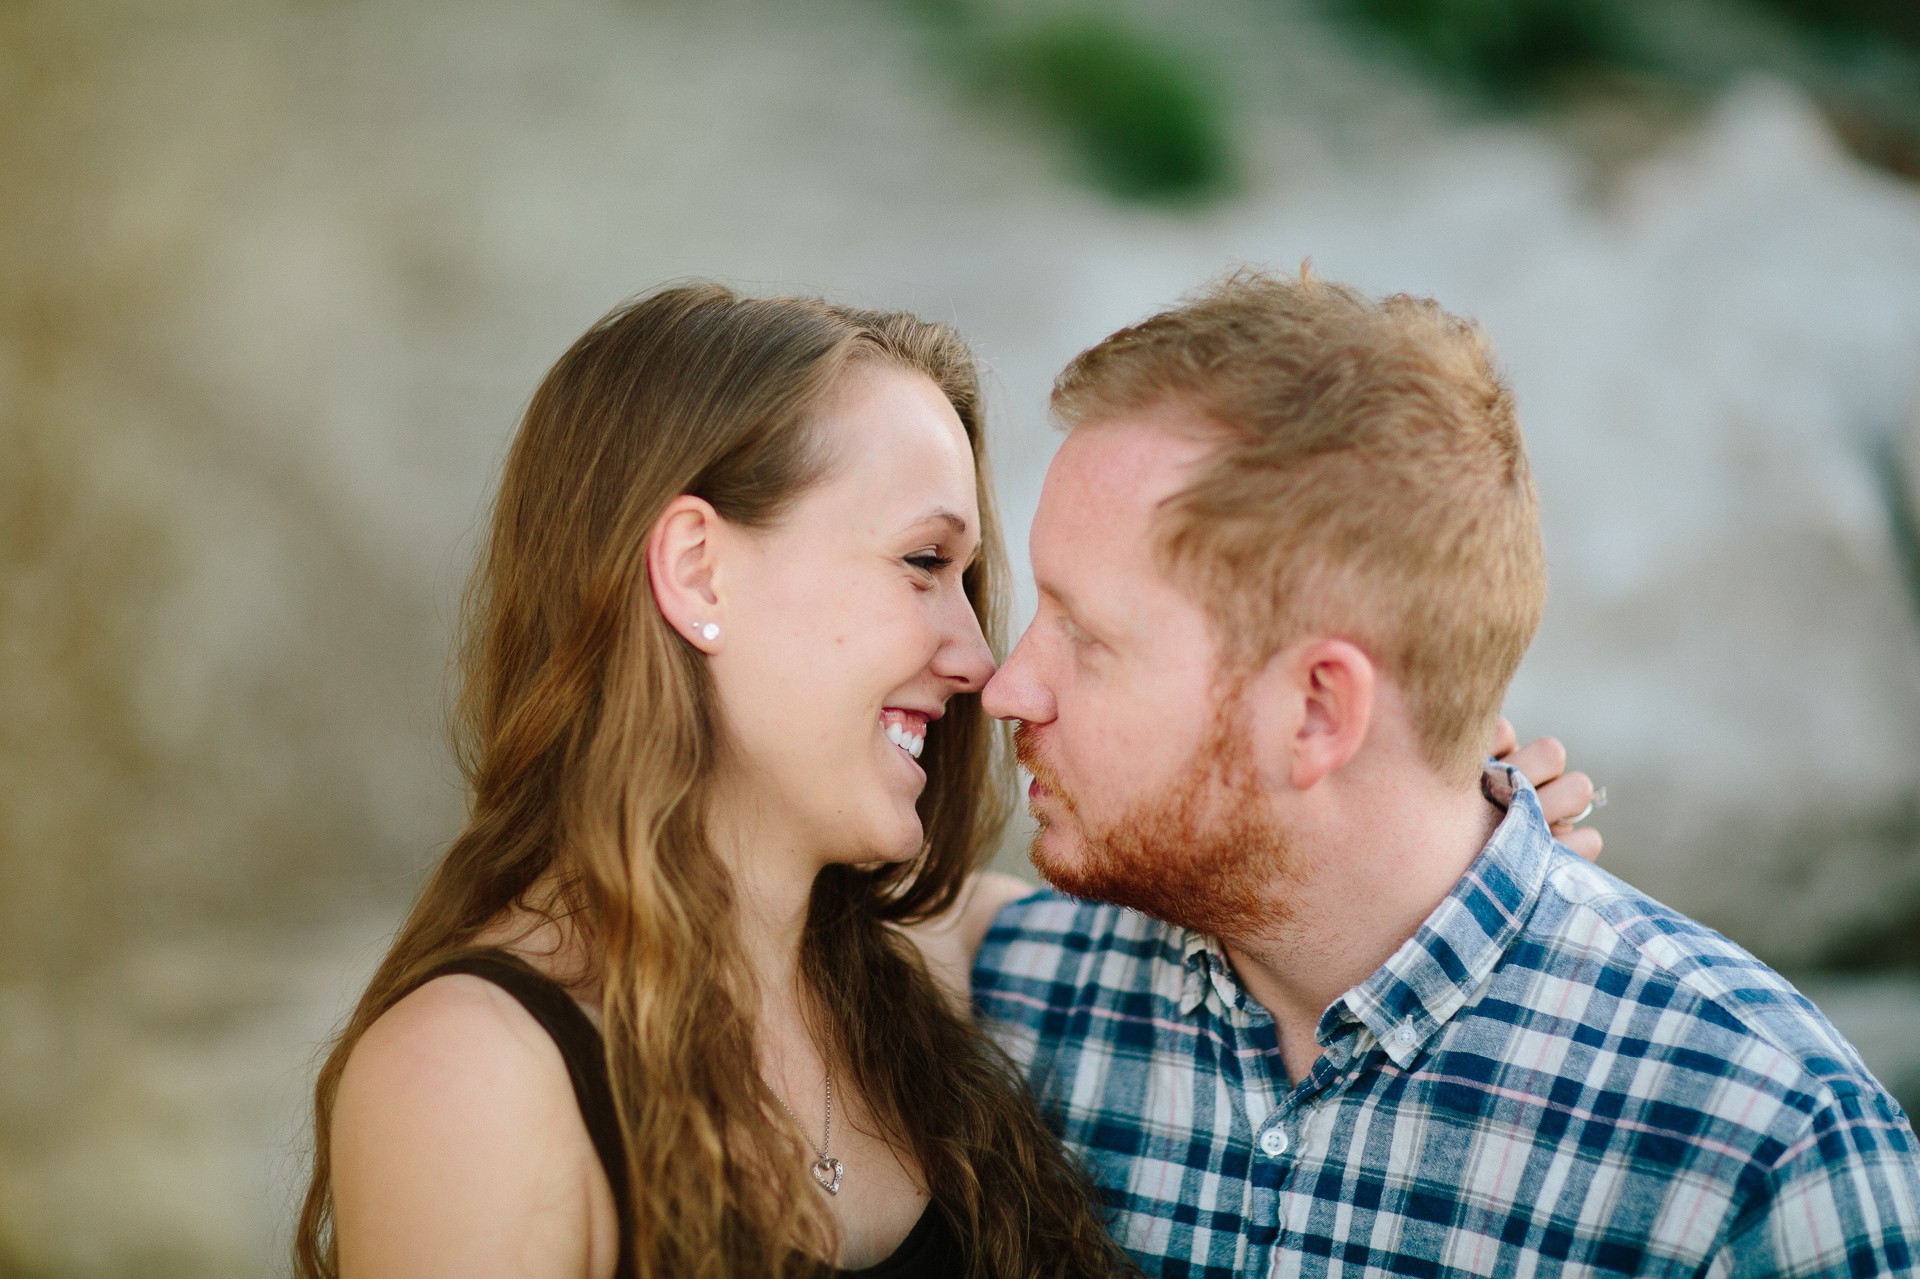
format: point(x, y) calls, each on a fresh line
point(1275, 1143)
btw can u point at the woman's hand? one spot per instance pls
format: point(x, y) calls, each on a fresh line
point(1564, 796)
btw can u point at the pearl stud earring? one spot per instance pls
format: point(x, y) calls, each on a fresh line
point(710, 631)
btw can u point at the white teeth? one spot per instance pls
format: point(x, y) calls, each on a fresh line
point(906, 741)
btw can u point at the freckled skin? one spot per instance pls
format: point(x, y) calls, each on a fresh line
point(1113, 679)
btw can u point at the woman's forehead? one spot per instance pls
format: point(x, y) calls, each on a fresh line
point(895, 441)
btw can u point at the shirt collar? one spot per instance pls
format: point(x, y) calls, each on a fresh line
point(1204, 963)
point(1437, 970)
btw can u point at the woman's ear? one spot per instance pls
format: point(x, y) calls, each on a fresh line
point(683, 561)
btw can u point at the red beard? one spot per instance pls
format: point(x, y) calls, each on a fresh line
point(1206, 853)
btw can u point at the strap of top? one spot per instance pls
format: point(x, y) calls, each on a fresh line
point(931, 1249)
point(583, 1051)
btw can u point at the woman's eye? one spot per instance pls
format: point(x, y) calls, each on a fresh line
point(929, 564)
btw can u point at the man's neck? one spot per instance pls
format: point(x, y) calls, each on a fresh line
point(1376, 880)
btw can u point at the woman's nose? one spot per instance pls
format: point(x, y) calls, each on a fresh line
point(964, 657)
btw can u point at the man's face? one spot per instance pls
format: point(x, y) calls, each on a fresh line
point(1145, 784)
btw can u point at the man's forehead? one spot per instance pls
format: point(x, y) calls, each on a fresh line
point(1130, 463)
point(1092, 547)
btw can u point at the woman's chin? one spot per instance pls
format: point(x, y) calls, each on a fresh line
point(900, 847)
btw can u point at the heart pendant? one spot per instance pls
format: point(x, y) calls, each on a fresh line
point(828, 1171)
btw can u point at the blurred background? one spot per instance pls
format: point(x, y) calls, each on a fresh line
point(277, 276)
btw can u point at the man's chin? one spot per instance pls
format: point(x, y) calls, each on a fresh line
point(1070, 864)
point(1210, 876)
point(1059, 856)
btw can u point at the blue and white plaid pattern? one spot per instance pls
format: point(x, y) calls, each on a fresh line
point(1555, 1075)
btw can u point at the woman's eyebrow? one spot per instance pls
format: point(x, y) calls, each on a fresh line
point(957, 527)
point(956, 523)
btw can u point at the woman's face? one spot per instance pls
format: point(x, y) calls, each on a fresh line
point(847, 628)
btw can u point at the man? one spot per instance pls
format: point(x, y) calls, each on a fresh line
point(1288, 559)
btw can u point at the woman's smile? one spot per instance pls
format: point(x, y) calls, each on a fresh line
point(906, 729)
point(885, 538)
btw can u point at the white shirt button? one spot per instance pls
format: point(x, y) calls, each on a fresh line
point(1273, 1142)
point(1405, 1036)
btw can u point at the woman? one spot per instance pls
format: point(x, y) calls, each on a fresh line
point(721, 730)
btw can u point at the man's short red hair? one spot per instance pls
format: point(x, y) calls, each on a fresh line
point(1371, 483)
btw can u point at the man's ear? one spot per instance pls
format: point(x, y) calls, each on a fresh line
point(1334, 684)
point(683, 569)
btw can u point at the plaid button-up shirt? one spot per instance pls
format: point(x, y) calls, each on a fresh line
point(1555, 1075)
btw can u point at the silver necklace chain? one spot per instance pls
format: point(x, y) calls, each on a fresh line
point(826, 1170)
point(826, 1134)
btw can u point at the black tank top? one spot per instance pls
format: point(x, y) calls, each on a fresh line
point(930, 1250)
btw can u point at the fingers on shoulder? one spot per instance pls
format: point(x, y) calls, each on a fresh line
point(1583, 840)
point(1565, 798)
point(1542, 760)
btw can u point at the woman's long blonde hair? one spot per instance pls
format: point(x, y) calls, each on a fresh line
point(587, 731)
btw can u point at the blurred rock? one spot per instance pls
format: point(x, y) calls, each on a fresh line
point(1708, 359)
point(1731, 640)
point(1903, 454)
point(275, 279)
point(274, 284)
point(155, 1113)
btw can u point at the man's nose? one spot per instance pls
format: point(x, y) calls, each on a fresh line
point(1017, 690)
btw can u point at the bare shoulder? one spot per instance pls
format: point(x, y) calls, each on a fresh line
point(458, 1146)
point(950, 941)
point(455, 1042)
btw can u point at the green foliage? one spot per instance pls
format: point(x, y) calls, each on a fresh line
point(1143, 119)
point(1503, 48)
point(1855, 20)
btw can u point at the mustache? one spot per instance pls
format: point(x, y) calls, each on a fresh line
point(1026, 749)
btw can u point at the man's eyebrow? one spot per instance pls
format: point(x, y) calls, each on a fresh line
point(1101, 631)
point(1056, 594)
